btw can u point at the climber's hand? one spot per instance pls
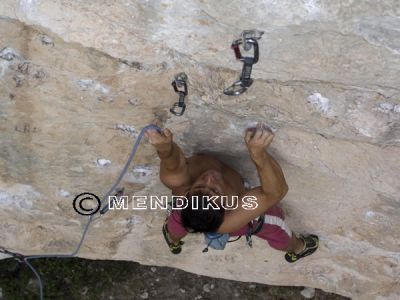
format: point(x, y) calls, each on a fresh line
point(258, 140)
point(161, 141)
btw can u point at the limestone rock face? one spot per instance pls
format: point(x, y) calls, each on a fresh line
point(79, 79)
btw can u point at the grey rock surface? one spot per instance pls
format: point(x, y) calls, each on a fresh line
point(327, 83)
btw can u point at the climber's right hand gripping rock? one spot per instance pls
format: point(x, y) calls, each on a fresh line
point(257, 141)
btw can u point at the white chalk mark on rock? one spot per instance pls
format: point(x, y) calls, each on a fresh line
point(63, 193)
point(311, 7)
point(320, 103)
point(3, 67)
point(8, 54)
point(364, 131)
point(143, 170)
point(8, 200)
point(387, 107)
point(46, 40)
point(141, 174)
point(18, 198)
point(126, 128)
point(27, 6)
point(93, 86)
point(133, 101)
point(264, 125)
point(373, 217)
point(369, 214)
point(102, 162)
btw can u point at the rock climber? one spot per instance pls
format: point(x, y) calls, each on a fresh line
point(203, 175)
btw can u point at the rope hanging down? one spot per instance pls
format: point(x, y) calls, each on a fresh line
point(25, 259)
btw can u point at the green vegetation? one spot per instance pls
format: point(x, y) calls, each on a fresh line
point(80, 279)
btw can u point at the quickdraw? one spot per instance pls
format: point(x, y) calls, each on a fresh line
point(253, 231)
point(180, 86)
point(248, 40)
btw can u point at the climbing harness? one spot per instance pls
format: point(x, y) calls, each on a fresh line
point(180, 86)
point(218, 241)
point(252, 231)
point(248, 40)
point(213, 240)
point(25, 259)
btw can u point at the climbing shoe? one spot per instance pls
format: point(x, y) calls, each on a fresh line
point(174, 248)
point(311, 243)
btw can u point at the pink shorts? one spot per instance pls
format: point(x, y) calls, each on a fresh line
point(275, 231)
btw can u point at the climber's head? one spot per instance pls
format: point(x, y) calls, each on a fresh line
point(198, 216)
point(201, 219)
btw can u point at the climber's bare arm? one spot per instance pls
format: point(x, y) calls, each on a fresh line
point(273, 184)
point(173, 168)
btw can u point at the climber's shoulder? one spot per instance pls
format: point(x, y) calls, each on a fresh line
point(181, 181)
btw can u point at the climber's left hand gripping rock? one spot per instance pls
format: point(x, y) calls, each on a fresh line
point(161, 141)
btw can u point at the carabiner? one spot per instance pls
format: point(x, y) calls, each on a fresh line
point(180, 86)
point(235, 89)
point(245, 81)
point(180, 82)
point(236, 49)
point(174, 109)
point(250, 34)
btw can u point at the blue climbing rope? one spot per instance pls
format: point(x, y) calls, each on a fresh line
point(26, 259)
